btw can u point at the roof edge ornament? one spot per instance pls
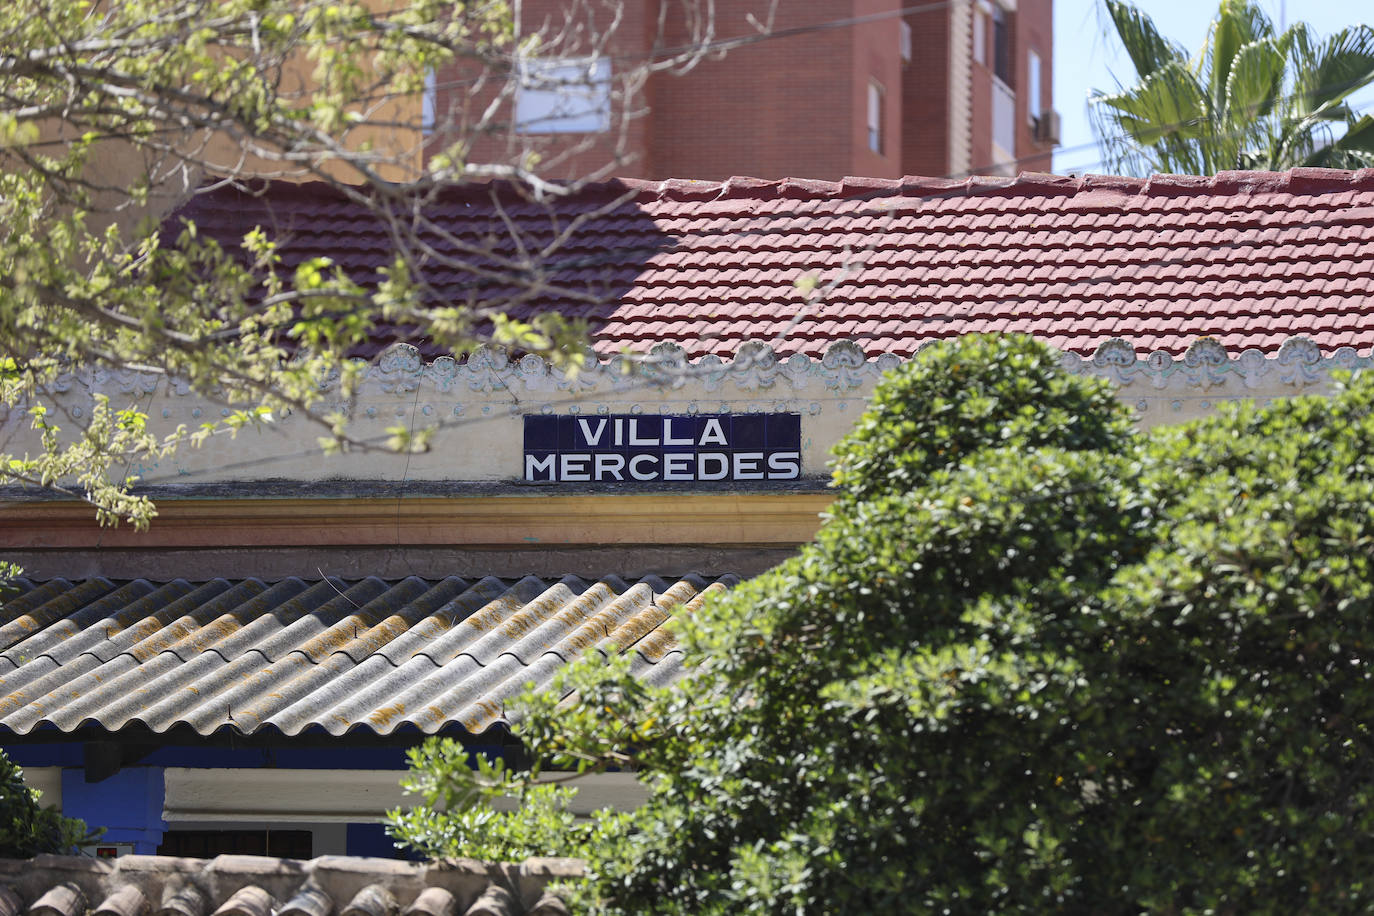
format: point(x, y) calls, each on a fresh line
point(757, 366)
point(746, 187)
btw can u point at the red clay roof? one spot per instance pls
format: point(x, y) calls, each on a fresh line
point(1249, 258)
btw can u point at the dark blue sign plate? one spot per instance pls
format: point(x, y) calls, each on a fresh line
point(617, 447)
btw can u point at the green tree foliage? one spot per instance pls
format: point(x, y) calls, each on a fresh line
point(113, 112)
point(1250, 98)
point(1034, 662)
point(27, 828)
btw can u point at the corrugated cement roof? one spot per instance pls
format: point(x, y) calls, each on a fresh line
point(331, 655)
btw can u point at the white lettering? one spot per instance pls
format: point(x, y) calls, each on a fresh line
point(784, 465)
point(669, 438)
point(712, 433)
point(747, 466)
point(637, 460)
point(534, 466)
point(587, 430)
point(574, 467)
point(677, 467)
point(722, 463)
point(635, 438)
point(609, 465)
point(614, 448)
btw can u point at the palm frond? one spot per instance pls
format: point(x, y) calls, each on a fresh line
point(1168, 102)
point(1249, 99)
point(1237, 24)
point(1352, 150)
point(1148, 49)
point(1255, 81)
point(1343, 64)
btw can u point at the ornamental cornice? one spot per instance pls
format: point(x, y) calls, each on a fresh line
point(757, 370)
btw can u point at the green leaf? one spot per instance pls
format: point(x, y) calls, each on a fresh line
point(1341, 66)
point(1167, 103)
point(1354, 148)
point(1255, 81)
point(1149, 51)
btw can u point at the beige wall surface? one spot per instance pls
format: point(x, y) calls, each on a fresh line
point(477, 408)
point(271, 504)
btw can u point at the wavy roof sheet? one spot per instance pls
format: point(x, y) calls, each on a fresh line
point(1249, 258)
point(331, 656)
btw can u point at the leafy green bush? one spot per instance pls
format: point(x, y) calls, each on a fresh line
point(956, 399)
point(1034, 662)
point(27, 828)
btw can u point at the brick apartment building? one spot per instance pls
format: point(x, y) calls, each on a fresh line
point(878, 88)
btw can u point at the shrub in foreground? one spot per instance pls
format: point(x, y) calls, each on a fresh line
point(1034, 662)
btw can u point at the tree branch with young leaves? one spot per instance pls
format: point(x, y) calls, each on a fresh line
point(114, 113)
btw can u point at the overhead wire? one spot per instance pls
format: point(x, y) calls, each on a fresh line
point(973, 186)
point(644, 382)
point(725, 44)
point(612, 255)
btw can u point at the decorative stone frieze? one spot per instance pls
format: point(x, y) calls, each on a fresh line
point(474, 406)
point(1207, 365)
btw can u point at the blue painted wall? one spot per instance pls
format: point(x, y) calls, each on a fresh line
point(128, 805)
point(371, 840)
point(69, 754)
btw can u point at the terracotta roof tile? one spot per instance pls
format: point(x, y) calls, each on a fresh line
point(228, 884)
point(1052, 255)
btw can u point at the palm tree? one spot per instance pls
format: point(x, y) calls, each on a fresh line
point(1251, 98)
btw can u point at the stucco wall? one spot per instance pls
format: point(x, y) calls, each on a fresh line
point(477, 408)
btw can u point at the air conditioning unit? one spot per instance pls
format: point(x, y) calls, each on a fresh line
point(1047, 128)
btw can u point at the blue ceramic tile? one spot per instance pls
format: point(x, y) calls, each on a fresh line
point(784, 431)
point(680, 434)
point(541, 465)
point(713, 465)
point(750, 431)
point(748, 464)
point(541, 433)
point(643, 433)
point(647, 461)
point(677, 466)
point(593, 434)
point(567, 434)
point(716, 427)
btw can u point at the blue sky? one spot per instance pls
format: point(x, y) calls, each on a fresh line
point(1085, 58)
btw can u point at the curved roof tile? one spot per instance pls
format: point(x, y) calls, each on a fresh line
point(642, 260)
point(335, 656)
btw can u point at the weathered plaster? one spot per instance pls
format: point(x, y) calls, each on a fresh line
point(475, 406)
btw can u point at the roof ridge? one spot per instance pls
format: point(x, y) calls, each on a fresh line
point(1024, 184)
point(202, 886)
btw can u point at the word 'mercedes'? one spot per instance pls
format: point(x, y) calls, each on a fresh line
point(618, 448)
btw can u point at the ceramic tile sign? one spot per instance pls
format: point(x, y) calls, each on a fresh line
point(621, 448)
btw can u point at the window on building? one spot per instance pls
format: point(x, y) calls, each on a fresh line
point(206, 844)
point(904, 41)
point(563, 95)
point(980, 37)
point(1035, 103)
point(430, 103)
point(1001, 44)
point(875, 117)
